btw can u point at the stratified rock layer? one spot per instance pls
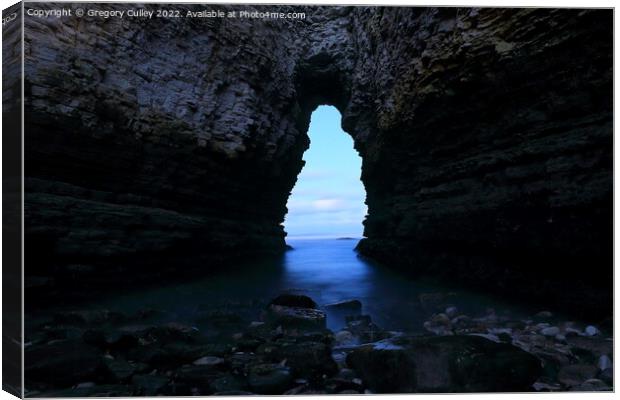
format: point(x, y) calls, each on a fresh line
point(486, 137)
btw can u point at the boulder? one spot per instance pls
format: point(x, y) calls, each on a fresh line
point(362, 327)
point(353, 306)
point(295, 317)
point(293, 300)
point(384, 369)
point(269, 378)
point(309, 360)
point(444, 364)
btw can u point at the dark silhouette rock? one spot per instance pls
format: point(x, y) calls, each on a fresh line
point(295, 318)
point(384, 369)
point(310, 360)
point(444, 364)
point(294, 300)
point(354, 306)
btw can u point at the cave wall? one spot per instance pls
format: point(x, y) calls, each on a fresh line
point(486, 138)
point(157, 146)
point(491, 162)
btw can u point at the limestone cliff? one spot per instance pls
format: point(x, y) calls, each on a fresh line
point(157, 146)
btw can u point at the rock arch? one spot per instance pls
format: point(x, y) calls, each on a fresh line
point(486, 139)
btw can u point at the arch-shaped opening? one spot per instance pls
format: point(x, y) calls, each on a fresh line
point(328, 199)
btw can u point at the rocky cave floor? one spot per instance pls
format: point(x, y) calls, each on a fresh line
point(288, 350)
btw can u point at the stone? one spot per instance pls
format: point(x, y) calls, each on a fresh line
point(592, 385)
point(269, 379)
point(345, 305)
point(444, 364)
point(119, 370)
point(546, 387)
point(576, 374)
point(439, 324)
point(295, 318)
point(150, 385)
point(451, 312)
point(210, 361)
point(550, 331)
point(344, 338)
point(365, 331)
point(591, 331)
point(604, 362)
point(590, 347)
point(196, 376)
point(384, 369)
point(229, 383)
point(294, 300)
point(607, 375)
point(172, 354)
point(309, 360)
point(240, 361)
point(461, 322)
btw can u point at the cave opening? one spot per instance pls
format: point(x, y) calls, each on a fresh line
point(328, 199)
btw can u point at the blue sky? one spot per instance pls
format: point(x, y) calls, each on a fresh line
point(328, 199)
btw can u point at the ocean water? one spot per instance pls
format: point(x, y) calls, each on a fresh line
point(327, 270)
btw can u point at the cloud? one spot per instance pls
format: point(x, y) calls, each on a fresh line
point(328, 204)
point(308, 173)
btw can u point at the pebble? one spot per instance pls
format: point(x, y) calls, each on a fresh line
point(209, 360)
point(608, 375)
point(570, 331)
point(591, 331)
point(545, 387)
point(560, 337)
point(451, 312)
point(499, 331)
point(85, 385)
point(344, 337)
point(604, 363)
point(550, 331)
point(591, 385)
point(440, 319)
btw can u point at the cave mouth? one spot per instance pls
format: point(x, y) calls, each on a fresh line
point(328, 199)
